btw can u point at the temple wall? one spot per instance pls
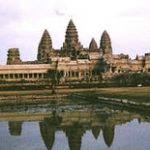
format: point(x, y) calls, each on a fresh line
point(23, 72)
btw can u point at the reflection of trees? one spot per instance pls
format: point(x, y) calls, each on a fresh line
point(108, 134)
point(15, 128)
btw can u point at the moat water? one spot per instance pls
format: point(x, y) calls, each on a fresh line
point(74, 127)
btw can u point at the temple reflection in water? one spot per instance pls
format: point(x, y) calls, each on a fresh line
point(15, 128)
point(75, 125)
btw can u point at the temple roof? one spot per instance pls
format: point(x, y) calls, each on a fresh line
point(45, 47)
point(46, 41)
point(71, 33)
point(93, 44)
point(105, 43)
point(71, 23)
point(13, 50)
point(105, 36)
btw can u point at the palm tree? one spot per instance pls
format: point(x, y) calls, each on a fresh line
point(54, 76)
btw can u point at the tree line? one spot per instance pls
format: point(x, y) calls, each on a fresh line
point(131, 79)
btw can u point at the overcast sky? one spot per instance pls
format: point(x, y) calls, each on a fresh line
point(22, 23)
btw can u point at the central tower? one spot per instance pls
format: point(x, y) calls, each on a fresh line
point(71, 46)
point(105, 44)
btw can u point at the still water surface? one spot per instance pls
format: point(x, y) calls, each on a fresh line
point(103, 129)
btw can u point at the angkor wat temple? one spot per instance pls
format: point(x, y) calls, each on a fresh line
point(75, 62)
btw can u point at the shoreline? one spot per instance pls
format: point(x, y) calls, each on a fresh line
point(108, 96)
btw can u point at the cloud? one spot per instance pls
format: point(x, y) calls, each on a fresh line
point(59, 13)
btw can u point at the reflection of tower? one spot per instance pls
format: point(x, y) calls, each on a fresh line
point(108, 134)
point(96, 131)
point(105, 44)
point(71, 46)
point(15, 128)
point(48, 134)
point(74, 134)
point(45, 49)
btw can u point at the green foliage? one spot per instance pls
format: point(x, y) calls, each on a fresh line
point(131, 79)
point(54, 76)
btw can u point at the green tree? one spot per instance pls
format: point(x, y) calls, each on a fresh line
point(54, 76)
point(132, 79)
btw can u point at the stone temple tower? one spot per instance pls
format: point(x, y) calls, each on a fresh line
point(93, 45)
point(13, 56)
point(45, 50)
point(105, 44)
point(71, 46)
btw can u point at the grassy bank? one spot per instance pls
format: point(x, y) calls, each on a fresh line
point(137, 94)
point(42, 92)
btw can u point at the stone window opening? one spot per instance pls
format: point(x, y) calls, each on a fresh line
point(40, 75)
point(62, 73)
point(77, 74)
point(6, 76)
point(25, 76)
point(16, 76)
point(11, 76)
point(35, 75)
point(1, 76)
point(69, 74)
point(73, 74)
point(30, 75)
point(20, 75)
